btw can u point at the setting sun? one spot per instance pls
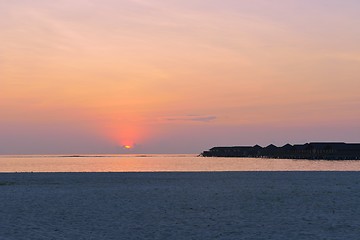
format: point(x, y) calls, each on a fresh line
point(127, 147)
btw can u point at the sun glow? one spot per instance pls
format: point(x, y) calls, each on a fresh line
point(128, 135)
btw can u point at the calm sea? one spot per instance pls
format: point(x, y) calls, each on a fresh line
point(162, 163)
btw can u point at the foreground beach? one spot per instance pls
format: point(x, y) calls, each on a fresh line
point(207, 205)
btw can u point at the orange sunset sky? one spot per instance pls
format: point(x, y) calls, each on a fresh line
point(176, 76)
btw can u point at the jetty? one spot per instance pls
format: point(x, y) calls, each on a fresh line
point(312, 150)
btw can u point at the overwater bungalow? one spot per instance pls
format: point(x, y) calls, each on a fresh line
point(312, 150)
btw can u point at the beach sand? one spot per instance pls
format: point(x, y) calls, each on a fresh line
point(208, 205)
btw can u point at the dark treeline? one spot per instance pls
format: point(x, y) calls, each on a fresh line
point(313, 150)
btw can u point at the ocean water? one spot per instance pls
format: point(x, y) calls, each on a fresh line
point(162, 163)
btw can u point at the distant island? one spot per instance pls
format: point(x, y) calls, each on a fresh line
point(312, 150)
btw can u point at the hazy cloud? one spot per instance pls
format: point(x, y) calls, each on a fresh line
point(196, 118)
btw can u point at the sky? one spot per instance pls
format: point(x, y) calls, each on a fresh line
point(176, 76)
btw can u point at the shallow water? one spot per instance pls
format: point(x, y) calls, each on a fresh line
point(163, 163)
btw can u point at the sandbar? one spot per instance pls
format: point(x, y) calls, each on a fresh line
point(169, 205)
